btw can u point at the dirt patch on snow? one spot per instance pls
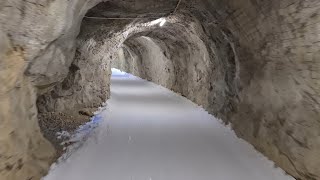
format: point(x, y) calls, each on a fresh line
point(54, 125)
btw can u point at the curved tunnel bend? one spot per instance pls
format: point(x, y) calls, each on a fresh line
point(252, 64)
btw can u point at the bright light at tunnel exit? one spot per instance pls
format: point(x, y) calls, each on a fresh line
point(160, 21)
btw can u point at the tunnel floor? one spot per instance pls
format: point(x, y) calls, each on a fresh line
point(150, 133)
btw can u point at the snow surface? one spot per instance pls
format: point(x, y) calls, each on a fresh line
point(146, 132)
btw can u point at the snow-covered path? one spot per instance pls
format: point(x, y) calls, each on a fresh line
point(150, 133)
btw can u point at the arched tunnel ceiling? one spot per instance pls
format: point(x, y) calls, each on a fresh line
point(254, 64)
point(138, 8)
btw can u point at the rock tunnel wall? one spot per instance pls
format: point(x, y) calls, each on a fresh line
point(278, 53)
point(24, 153)
point(85, 87)
point(254, 64)
point(37, 47)
point(262, 73)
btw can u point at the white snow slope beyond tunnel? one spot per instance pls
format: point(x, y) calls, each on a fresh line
point(150, 133)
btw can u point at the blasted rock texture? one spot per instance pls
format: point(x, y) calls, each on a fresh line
point(85, 87)
point(37, 49)
point(255, 65)
point(54, 77)
point(72, 102)
point(24, 153)
point(87, 83)
point(278, 58)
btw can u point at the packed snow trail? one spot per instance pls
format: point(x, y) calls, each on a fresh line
point(149, 133)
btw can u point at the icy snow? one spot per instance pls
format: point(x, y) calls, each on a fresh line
point(147, 132)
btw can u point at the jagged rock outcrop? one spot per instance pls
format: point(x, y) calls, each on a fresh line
point(37, 48)
point(24, 153)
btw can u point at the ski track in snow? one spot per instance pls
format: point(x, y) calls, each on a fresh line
point(146, 132)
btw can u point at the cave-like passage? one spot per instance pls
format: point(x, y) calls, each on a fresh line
point(150, 133)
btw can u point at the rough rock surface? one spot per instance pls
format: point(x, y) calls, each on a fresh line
point(256, 71)
point(46, 32)
point(53, 124)
point(255, 64)
point(87, 83)
point(278, 61)
point(37, 48)
point(24, 153)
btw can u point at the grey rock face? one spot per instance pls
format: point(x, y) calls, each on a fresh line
point(252, 64)
point(278, 109)
point(250, 69)
point(24, 153)
point(37, 48)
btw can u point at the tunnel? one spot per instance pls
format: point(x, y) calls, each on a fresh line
point(253, 64)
